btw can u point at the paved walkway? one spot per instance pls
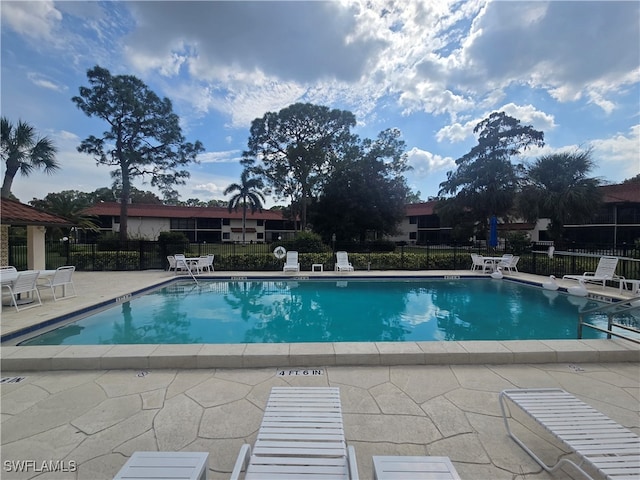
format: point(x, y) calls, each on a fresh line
point(92, 420)
point(96, 419)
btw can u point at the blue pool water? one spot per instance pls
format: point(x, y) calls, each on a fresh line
point(331, 311)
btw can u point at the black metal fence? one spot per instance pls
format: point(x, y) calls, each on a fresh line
point(147, 255)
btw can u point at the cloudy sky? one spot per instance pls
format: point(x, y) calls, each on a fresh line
point(433, 69)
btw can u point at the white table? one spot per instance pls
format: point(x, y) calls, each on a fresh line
point(318, 266)
point(156, 465)
point(494, 261)
point(8, 278)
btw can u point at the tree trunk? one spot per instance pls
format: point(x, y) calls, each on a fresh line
point(124, 206)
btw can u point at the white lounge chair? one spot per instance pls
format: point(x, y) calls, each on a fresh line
point(600, 443)
point(342, 262)
point(479, 262)
point(62, 278)
point(24, 283)
point(606, 270)
point(301, 436)
point(291, 264)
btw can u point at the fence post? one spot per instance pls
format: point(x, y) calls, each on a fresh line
point(141, 255)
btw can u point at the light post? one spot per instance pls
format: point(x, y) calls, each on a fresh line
point(333, 242)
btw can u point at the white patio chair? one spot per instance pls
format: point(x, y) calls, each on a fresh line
point(301, 436)
point(606, 270)
point(479, 262)
point(291, 264)
point(342, 262)
point(25, 283)
point(62, 278)
point(509, 263)
point(172, 263)
point(202, 265)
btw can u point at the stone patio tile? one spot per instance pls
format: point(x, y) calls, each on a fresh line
point(357, 400)
point(57, 381)
point(186, 379)
point(400, 353)
point(356, 353)
point(525, 376)
point(177, 424)
point(239, 420)
point(56, 444)
point(222, 455)
point(102, 467)
point(312, 354)
point(266, 355)
point(105, 441)
point(17, 400)
point(221, 356)
point(253, 376)
point(443, 353)
point(215, 391)
point(118, 383)
point(487, 351)
point(615, 351)
point(424, 383)
point(51, 413)
point(448, 418)
point(394, 401)
point(127, 356)
point(465, 448)
point(142, 443)
point(485, 403)
point(390, 428)
point(153, 400)
point(175, 356)
point(108, 413)
point(479, 379)
point(363, 377)
point(80, 357)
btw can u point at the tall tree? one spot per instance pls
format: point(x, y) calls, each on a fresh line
point(144, 138)
point(558, 187)
point(248, 196)
point(367, 191)
point(22, 151)
point(297, 147)
point(486, 181)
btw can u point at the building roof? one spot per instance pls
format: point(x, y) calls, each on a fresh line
point(417, 209)
point(172, 211)
point(13, 212)
point(620, 193)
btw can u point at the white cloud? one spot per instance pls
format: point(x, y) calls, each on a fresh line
point(618, 154)
point(45, 82)
point(425, 163)
point(36, 20)
point(527, 114)
point(229, 156)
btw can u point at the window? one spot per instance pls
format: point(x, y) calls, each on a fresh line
point(226, 221)
point(413, 235)
point(413, 220)
point(260, 223)
point(209, 223)
point(116, 220)
point(183, 224)
point(226, 235)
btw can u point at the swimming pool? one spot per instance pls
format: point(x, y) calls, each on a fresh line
point(254, 311)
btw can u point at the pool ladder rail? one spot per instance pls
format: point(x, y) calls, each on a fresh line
point(628, 321)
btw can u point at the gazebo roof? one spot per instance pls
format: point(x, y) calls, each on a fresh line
point(15, 213)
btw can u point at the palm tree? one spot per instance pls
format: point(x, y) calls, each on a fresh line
point(248, 195)
point(557, 187)
point(23, 152)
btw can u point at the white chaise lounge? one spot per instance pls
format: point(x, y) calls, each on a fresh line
point(301, 436)
point(606, 270)
point(600, 444)
point(342, 262)
point(291, 264)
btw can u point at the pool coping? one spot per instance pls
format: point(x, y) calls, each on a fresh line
point(306, 355)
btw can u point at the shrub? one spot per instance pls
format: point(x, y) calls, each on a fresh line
point(172, 243)
point(306, 242)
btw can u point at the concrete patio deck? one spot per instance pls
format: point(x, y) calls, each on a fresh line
point(90, 418)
